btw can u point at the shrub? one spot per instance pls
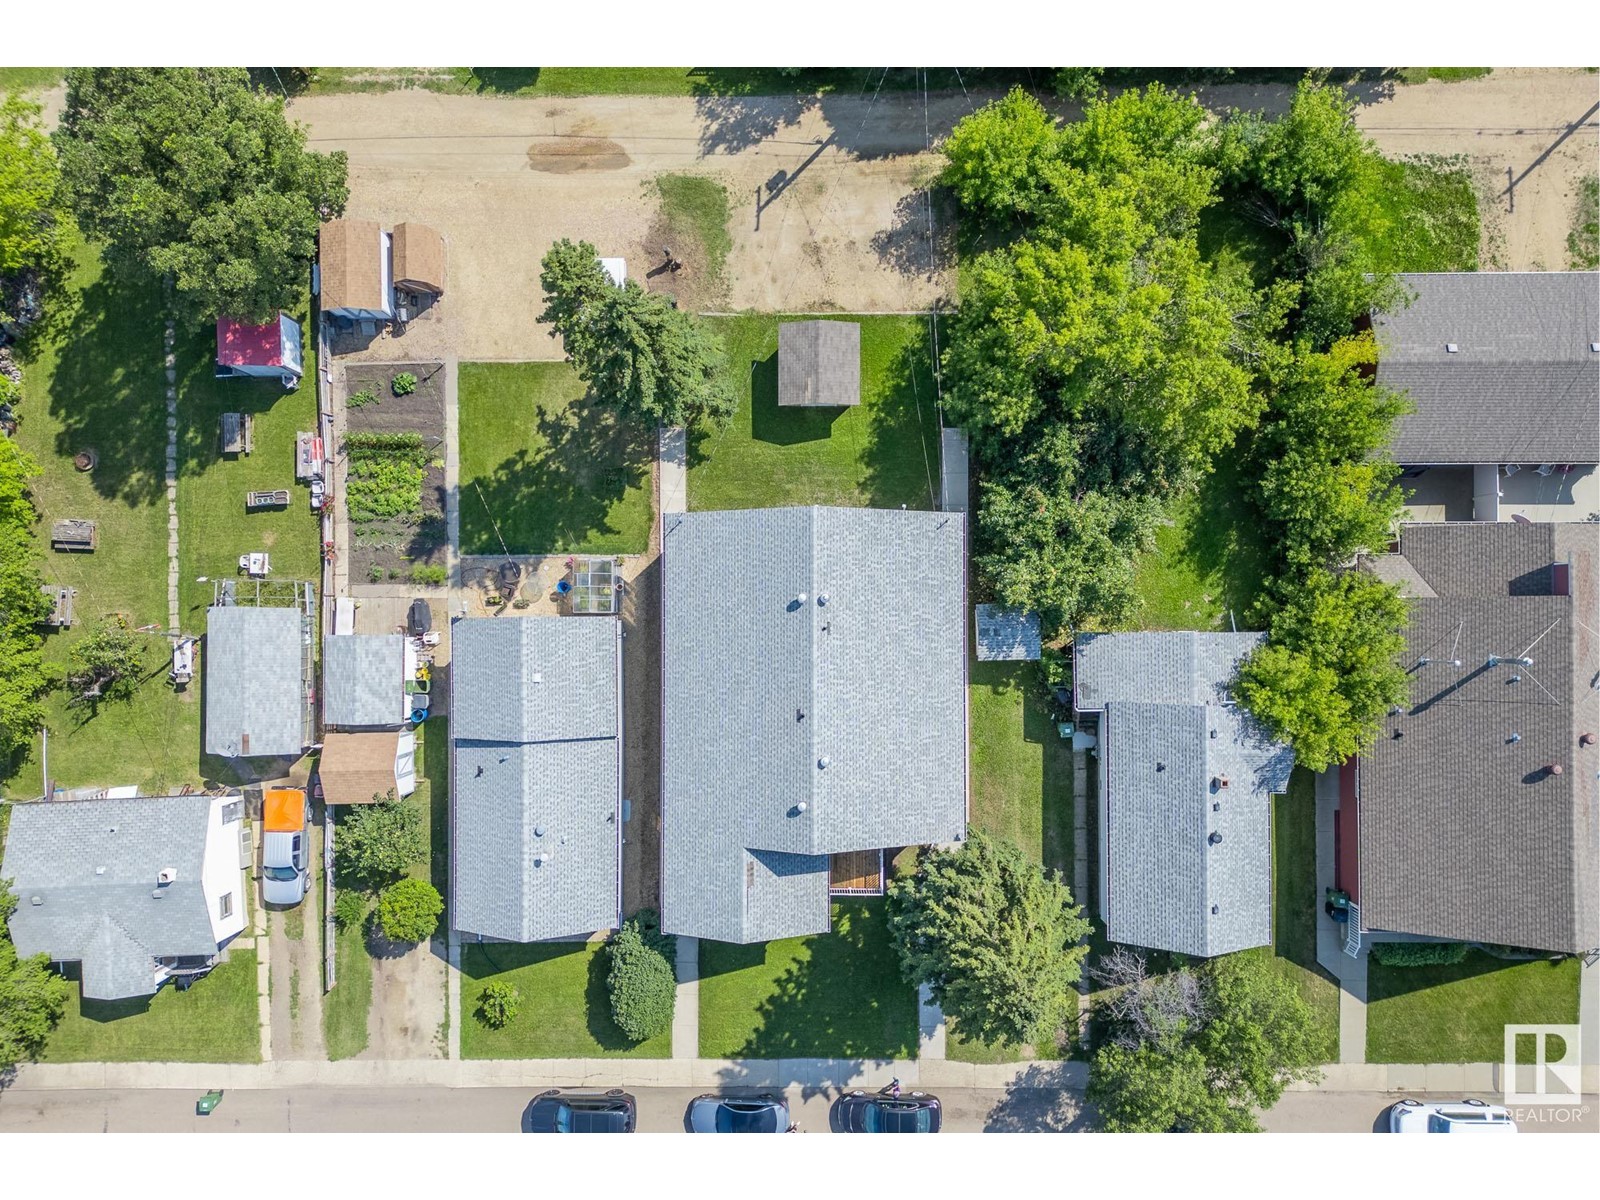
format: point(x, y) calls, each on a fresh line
point(642, 982)
point(374, 843)
point(436, 576)
point(349, 908)
point(1419, 954)
point(409, 911)
point(497, 1004)
point(363, 398)
point(375, 573)
point(404, 383)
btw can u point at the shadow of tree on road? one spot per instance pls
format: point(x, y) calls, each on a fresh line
point(1045, 1098)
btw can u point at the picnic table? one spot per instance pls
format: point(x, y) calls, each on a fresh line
point(308, 457)
point(60, 605)
point(74, 534)
point(275, 499)
point(237, 433)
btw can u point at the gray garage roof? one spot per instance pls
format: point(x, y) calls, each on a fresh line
point(1465, 833)
point(1006, 633)
point(1169, 737)
point(362, 679)
point(815, 703)
point(1521, 386)
point(819, 364)
point(255, 697)
point(536, 726)
point(92, 864)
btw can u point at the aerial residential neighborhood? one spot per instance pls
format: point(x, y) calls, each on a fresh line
point(824, 600)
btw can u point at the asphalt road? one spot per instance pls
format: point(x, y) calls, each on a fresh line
point(1368, 1112)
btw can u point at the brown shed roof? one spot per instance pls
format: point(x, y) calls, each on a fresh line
point(356, 767)
point(418, 258)
point(350, 253)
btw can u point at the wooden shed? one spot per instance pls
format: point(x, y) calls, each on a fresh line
point(418, 259)
point(354, 271)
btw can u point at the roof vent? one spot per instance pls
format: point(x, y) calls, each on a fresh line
point(1213, 733)
point(99, 870)
point(166, 875)
point(1586, 739)
point(1514, 679)
point(801, 598)
point(801, 807)
point(1215, 839)
point(1215, 909)
point(822, 598)
point(1513, 739)
point(1554, 768)
point(1594, 347)
point(823, 762)
point(1221, 781)
point(536, 677)
point(1451, 348)
point(1161, 766)
point(541, 858)
point(538, 831)
point(36, 900)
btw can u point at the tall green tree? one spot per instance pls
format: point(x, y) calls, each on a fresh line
point(995, 158)
point(107, 664)
point(23, 680)
point(32, 218)
point(32, 996)
point(373, 844)
point(635, 349)
point(191, 172)
point(998, 940)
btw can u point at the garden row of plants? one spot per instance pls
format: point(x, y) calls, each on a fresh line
point(385, 476)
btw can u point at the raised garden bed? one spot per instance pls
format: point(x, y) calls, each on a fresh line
point(394, 491)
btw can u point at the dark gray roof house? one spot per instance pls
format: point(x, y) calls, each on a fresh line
point(814, 680)
point(1502, 367)
point(536, 798)
point(1186, 786)
point(131, 889)
point(819, 364)
point(257, 704)
point(1474, 816)
point(363, 680)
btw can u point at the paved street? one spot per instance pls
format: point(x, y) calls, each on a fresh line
point(1364, 1112)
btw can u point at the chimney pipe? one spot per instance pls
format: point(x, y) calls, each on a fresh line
point(1586, 739)
point(1554, 768)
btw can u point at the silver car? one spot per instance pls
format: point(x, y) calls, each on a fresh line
point(765, 1113)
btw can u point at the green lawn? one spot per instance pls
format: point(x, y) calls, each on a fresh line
point(432, 799)
point(1021, 768)
point(27, 79)
point(213, 526)
point(1208, 562)
point(881, 453)
point(1583, 241)
point(1427, 216)
point(558, 475)
point(97, 381)
point(1295, 905)
point(695, 210)
point(345, 1008)
point(566, 1010)
point(215, 1021)
point(1459, 1013)
point(1443, 74)
point(835, 995)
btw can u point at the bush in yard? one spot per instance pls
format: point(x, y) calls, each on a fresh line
point(107, 664)
point(373, 844)
point(1419, 954)
point(363, 398)
point(409, 911)
point(403, 384)
point(642, 980)
point(997, 938)
point(498, 1004)
point(436, 576)
point(349, 908)
point(375, 573)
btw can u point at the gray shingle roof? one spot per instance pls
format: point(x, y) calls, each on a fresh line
point(108, 919)
point(1005, 633)
point(798, 728)
point(1523, 384)
point(1168, 737)
point(253, 684)
point(1464, 833)
point(363, 679)
point(819, 363)
point(536, 727)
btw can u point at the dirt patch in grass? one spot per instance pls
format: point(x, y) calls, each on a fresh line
point(386, 548)
point(571, 155)
point(693, 222)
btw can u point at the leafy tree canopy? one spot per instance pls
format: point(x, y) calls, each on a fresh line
point(996, 158)
point(375, 843)
point(107, 664)
point(23, 681)
point(192, 172)
point(32, 220)
point(408, 911)
point(998, 940)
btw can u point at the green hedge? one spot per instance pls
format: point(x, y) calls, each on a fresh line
point(642, 981)
point(1419, 954)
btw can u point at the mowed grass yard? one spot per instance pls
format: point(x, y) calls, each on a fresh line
point(835, 995)
point(1295, 905)
point(1459, 1013)
point(215, 1021)
point(555, 473)
point(881, 453)
point(566, 1009)
point(99, 383)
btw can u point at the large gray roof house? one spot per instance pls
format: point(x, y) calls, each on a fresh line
point(1186, 786)
point(363, 680)
point(257, 699)
point(1502, 367)
point(133, 890)
point(536, 798)
point(814, 687)
point(1473, 817)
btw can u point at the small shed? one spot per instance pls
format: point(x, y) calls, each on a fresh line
point(1006, 634)
point(270, 351)
point(354, 271)
point(235, 432)
point(359, 768)
point(60, 614)
point(819, 364)
point(74, 534)
point(418, 259)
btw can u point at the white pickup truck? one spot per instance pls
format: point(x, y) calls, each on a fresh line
point(285, 846)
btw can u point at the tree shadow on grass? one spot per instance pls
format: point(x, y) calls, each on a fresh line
point(506, 80)
point(784, 426)
point(1224, 537)
point(109, 390)
point(901, 450)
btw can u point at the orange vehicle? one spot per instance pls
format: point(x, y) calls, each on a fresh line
point(285, 846)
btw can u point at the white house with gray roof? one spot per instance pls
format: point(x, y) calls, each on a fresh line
point(814, 685)
point(536, 769)
point(1186, 786)
point(258, 702)
point(133, 890)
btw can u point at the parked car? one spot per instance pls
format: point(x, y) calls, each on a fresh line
point(558, 1111)
point(911, 1112)
point(285, 846)
point(765, 1113)
point(1450, 1116)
